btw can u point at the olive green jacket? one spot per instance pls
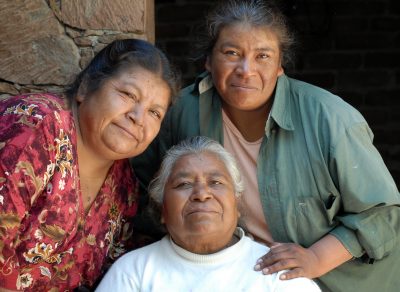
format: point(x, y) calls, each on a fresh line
point(318, 173)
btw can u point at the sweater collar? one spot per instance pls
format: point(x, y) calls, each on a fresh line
point(226, 254)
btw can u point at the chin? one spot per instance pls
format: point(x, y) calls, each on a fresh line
point(124, 150)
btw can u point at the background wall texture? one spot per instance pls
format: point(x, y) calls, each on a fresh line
point(351, 48)
point(45, 43)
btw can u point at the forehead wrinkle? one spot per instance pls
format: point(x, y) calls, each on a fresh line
point(129, 83)
point(212, 173)
point(179, 174)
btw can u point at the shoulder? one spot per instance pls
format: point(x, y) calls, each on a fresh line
point(251, 250)
point(297, 284)
point(33, 108)
point(41, 101)
point(190, 95)
point(187, 97)
point(321, 103)
point(34, 115)
point(183, 116)
point(140, 257)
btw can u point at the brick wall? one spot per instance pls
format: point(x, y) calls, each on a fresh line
point(351, 48)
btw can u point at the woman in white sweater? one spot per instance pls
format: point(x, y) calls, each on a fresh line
point(198, 188)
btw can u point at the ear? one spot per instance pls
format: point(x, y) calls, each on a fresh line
point(81, 94)
point(79, 98)
point(280, 71)
point(208, 64)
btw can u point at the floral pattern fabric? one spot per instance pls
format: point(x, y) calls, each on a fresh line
point(47, 241)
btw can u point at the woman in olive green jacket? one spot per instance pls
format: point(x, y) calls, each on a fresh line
point(330, 208)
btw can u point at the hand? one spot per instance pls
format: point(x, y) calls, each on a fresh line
point(299, 261)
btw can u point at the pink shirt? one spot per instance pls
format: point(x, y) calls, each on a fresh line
point(246, 154)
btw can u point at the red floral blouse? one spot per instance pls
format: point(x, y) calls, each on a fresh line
point(47, 242)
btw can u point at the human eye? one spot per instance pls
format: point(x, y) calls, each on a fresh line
point(156, 114)
point(129, 95)
point(183, 185)
point(263, 56)
point(216, 182)
point(231, 52)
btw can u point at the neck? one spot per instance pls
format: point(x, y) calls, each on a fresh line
point(90, 164)
point(93, 169)
point(206, 246)
point(251, 124)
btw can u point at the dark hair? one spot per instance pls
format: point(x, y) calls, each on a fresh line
point(253, 12)
point(121, 55)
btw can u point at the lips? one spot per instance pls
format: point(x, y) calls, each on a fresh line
point(244, 86)
point(199, 209)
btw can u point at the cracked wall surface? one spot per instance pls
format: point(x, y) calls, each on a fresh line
point(44, 44)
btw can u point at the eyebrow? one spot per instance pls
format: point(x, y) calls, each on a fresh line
point(132, 85)
point(185, 174)
point(262, 49)
point(126, 84)
point(160, 107)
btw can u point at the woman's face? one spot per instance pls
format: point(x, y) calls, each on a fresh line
point(245, 64)
point(200, 207)
point(121, 118)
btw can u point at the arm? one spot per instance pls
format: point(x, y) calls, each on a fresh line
point(25, 168)
point(368, 221)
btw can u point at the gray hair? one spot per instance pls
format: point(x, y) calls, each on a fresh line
point(195, 145)
point(254, 12)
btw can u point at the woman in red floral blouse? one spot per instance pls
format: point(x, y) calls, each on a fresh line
point(67, 193)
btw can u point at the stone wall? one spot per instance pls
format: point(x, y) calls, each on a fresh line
point(45, 43)
point(351, 48)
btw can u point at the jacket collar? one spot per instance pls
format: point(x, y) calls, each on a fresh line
point(210, 107)
point(282, 106)
point(202, 83)
point(210, 113)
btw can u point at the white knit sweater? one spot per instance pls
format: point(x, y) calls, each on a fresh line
point(164, 266)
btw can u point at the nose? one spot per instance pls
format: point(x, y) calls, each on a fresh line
point(137, 114)
point(245, 67)
point(201, 192)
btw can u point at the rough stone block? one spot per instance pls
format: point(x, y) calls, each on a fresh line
point(120, 15)
point(34, 47)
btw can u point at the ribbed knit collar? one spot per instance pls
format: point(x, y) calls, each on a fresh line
point(227, 253)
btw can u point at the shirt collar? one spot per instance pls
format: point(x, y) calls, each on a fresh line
point(202, 83)
point(281, 108)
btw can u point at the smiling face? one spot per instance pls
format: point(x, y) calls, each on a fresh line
point(245, 63)
point(200, 207)
point(121, 118)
